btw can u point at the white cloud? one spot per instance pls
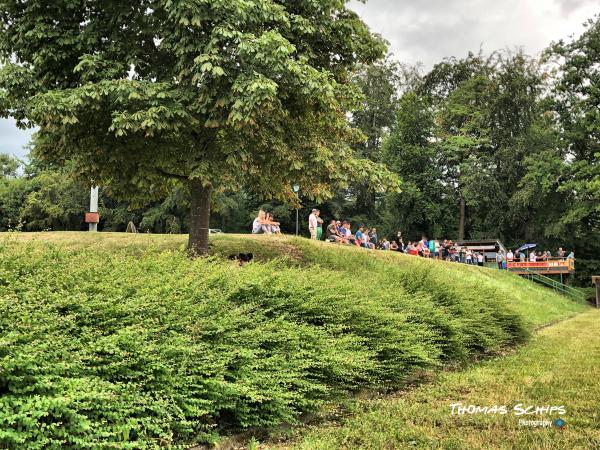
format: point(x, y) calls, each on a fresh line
point(12, 139)
point(430, 30)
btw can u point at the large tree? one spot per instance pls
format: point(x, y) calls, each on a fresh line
point(216, 94)
point(567, 176)
point(485, 109)
point(426, 204)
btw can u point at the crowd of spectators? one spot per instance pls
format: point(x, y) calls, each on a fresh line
point(341, 232)
point(444, 249)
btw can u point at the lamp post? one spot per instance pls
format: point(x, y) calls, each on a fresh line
point(296, 190)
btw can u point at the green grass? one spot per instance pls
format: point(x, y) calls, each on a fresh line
point(120, 341)
point(558, 368)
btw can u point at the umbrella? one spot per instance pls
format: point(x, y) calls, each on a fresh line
point(527, 247)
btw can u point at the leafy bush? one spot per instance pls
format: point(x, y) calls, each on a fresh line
point(113, 349)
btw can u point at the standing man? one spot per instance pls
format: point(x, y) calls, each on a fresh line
point(500, 258)
point(431, 245)
point(313, 223)
point(510, 256)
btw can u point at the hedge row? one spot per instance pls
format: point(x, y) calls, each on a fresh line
point(109, 350)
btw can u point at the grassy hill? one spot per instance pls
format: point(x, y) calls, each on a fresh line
point(559, 367)
point(120, 340)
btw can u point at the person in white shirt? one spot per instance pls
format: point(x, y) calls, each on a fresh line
point(313, 223)
point(510, 256)
point(261, 224)
point(532, 257)
point(480, 259)
point(469, 256)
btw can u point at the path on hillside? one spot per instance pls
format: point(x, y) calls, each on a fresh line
point(559, 367)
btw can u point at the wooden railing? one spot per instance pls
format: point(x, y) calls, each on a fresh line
point(550, 265)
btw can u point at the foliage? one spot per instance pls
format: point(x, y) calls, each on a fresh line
point(9, 165)
point(218, 95)
point(55, 202)
point(422, 207)
point(532, 376)
point(122, 349)
point(575, 177)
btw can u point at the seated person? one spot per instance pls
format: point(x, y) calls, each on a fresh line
point(359, 236)
point(394, 246)
point(274, 227)
point(261, 224)
point(341, 232)
point(373, 236)
point(368, 240)
point(348, 233)
point(332, 233)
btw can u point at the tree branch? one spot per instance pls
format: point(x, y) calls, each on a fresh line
point(171, 175)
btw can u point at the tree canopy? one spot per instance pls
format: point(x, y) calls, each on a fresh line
point(216, 94)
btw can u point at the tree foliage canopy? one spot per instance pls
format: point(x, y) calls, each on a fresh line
point(220, 94)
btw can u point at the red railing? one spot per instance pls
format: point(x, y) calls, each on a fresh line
point(550, 265)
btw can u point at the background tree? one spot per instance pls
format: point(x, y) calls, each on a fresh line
point(217, 95)
point(54, 203)
point(379, 83)
point(484, 109)
point(570, 171)
point(425, 204)
point(9, 165)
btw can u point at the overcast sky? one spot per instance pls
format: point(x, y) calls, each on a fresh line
point(428, 30)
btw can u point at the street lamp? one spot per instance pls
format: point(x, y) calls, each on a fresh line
point(296, 190)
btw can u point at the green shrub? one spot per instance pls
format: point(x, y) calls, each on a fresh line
point(114, 349)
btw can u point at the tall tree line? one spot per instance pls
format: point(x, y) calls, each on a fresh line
point(487, 146)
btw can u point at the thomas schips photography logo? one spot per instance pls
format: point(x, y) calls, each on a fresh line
point(560, 424)
point(529, 415)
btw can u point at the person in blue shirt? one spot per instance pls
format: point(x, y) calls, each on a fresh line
point(359, 233)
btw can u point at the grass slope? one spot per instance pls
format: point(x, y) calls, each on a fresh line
point(558, 368)
point(119, 341)
point(536, 305)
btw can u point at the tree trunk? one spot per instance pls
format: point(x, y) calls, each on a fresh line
point(199, 218)
point(461, 222)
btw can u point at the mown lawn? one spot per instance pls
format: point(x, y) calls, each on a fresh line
point(558, 368)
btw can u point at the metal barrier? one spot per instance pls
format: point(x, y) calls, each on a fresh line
point(556, 285)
